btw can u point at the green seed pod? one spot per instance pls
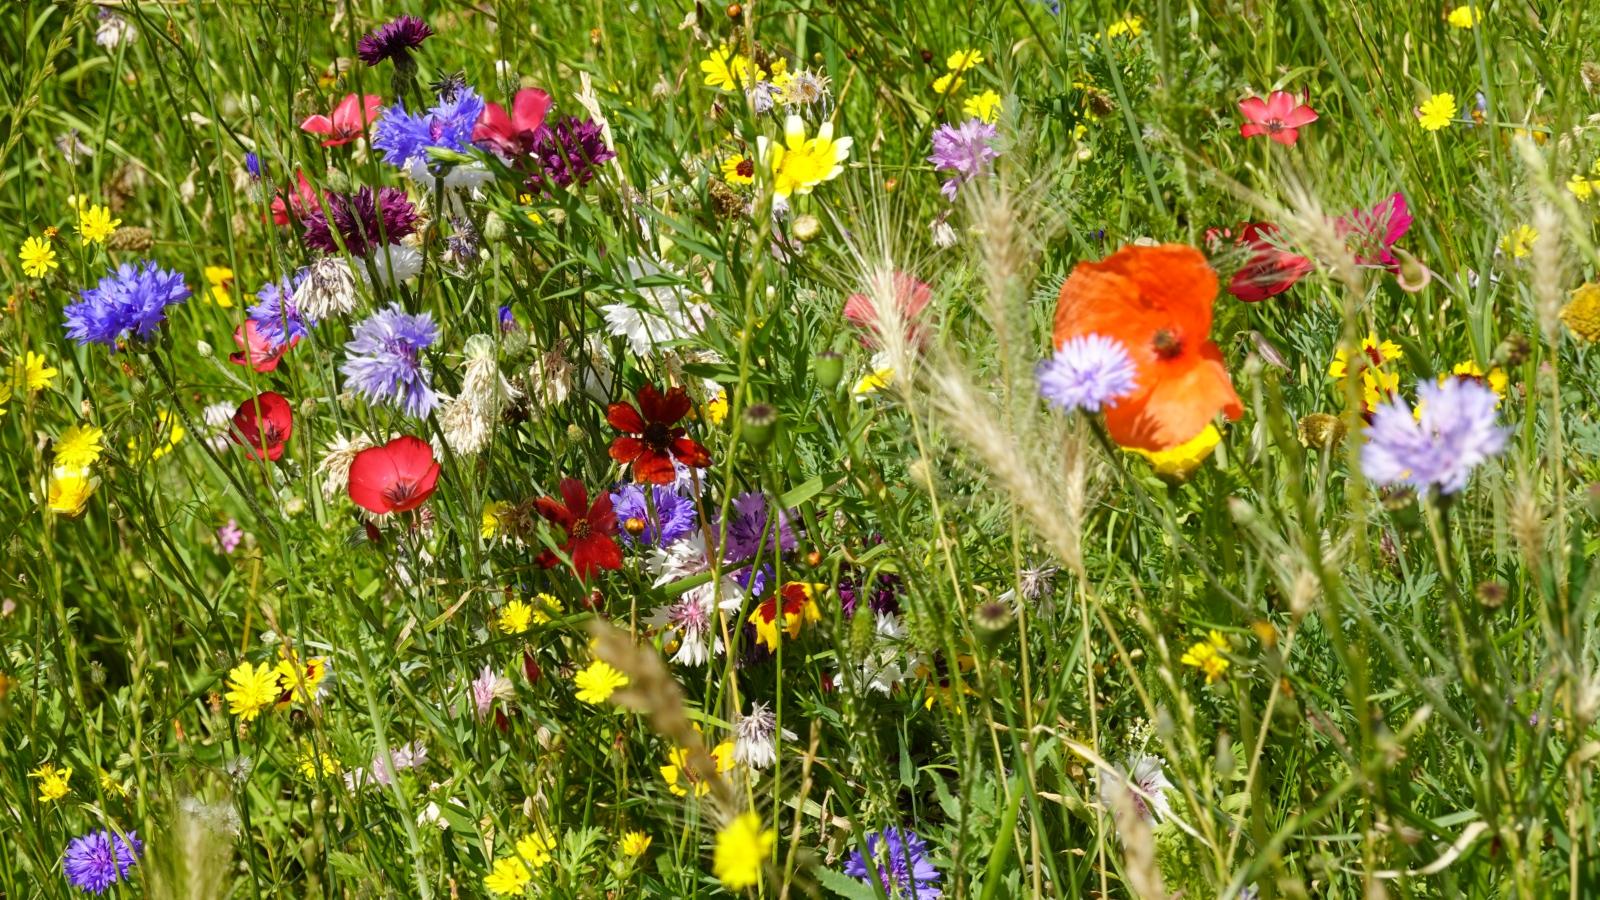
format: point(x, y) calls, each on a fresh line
point(760, 424)
point(828, 368)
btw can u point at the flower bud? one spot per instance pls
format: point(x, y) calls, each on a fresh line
point(1320, 431)
point(1413, 275)
point(204, 349)
point(807, 228)
point(760, 422)
point(828, 368)
point(494, 228)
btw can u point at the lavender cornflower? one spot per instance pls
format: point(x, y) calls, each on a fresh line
point(99, 859)
point(364, 219)
point(277, 319)
point(964, 151)
point(385, 362)
point(748, 535)
point(405, 139)
point(393, 40)
point(1453, 432)
point(569, 153)
point(675, 514)
point(131, 300)
point(488, 687)
point(908, 873)
point(1088, 372)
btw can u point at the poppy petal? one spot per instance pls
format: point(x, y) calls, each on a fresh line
point(528, 109)
point(1253, 108)
point(1176, 407)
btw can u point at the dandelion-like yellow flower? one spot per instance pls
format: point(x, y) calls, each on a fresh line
point(716, 409)
point(597, 683)
point(1180, 462)
point(873, 382)
point(38, 257)
point(1465, 16)
point(508, 878)
point(251, 689)
point(545, 606)
point(303, 680)
point(33, 373)
point(1373, 351)
point(1207, 656)
point(1129, 25)
point(515, 617)
point(52, 781)
point(985, 106)
point(95, 224)
point(948, 83)
point(962, 60)
point(1581, 187)
point(315, 763)
point(1437, 112)
point(1518, 242)
point(800, 163)
point(742, 848)
point(534, 849)
point(676, 772)
point(79, 447)
point(728, 71)
point(493, 522)
point(739, 170)
point(220, 281)
point(168, 432)
point(635, 843)
point(69, 490)
point(1581, 315)
point(1495, 378)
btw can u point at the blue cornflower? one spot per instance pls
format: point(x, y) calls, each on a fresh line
point(508, 319)
point(99, 859)
point(252, 164)
point(385, 362)
point(405, 139)
point(277, 318)
point(130, 300)
point(907, 872)
point(1088, 372)
point(1453, 432)
point(675, 513)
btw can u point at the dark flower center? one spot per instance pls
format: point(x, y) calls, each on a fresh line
point(270, 435)
point(746, 168)
point(399, 492)
point(580, 530)
point(1166, 344)
point(657, 435)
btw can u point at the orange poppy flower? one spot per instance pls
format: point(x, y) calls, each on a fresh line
point(1157, 302)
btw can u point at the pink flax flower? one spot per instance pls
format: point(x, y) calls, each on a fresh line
point(1280, 117)
point(349, 120)
point(1372, 234)
point(512, 135)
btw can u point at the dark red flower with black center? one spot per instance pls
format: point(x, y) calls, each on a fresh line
point(396, 477)
point(652, 438)
point(263, 425)
point(1268, 269)
point(590, 529)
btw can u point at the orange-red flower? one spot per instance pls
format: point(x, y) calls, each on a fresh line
point(1157, 302)
point(590, 529)
point(652, 437)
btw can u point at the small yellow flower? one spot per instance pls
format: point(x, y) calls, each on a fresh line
point(38, 257)
point(52, 782)
point(111, 785)
point(1518, 242)
point(962, 60)
point(635, 843)
point(1465, 16)
point(303, 681)
point(69, 490)
point(515, 617)
point(1374, 352)
point(728, 71)
point(315, 763)
point(1582, 313)
point(800, 163)
point(508, 878)
point(534, 849)
point(168, 432)
point(493, 522)
point(739, 169)
point(985, 106)
point(1581, 187)
point(79, 447)
point(1129, 25)
point(220, 279)
point(948, 83)
point(1180, 462)
point(545, 606)
point(1437, 112)
point(251, 689)
point(33, 373)
point(597, 683)
point(716, 409)
point(1495, 378)
point(1207, 656)
point(742, 848)
point(873, 382)
point(677, 769)
point(95, 224)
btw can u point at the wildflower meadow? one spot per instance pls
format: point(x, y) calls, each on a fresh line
point(799, 448)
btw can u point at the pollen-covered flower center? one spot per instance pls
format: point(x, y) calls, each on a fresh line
point(580, 530)
point(657, 435)
point(1166, 343)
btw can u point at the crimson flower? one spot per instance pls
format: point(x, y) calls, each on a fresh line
point(396, 477)
point(589, 529)
point(263, 425)
point(911, 297)
point(1279, 117)
point(652, 438)
point(255, 350)
point(348, 121)
point(287, 207)
point(512, 135)
point(1268, 269)
point(1372, 234)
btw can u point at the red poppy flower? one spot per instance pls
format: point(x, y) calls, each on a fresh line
point(652, 438)
point(910, 297)
point(1279, 117)
point(296, 205)
point(1157, 302)
point(589, 529)
point(1268, 269)
point(348, 121)
point(256, 351)
point(263, 425)
point(512, 135)
point(396, 477)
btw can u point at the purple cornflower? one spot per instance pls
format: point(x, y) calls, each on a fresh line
point(569, 153)
point(676, 514)
point(131, 300)
point(964, 151)
point(229, 536)
point(882, 595)
point(252, 164)
point(99, 859)
point(1087, 373)
point(748, 535)
point(1439, 446)
point(393, 40)
point(385, 362)
point(508, 319)
point(405, 139)
point(364, 220)
point(908, 873)
point(277, 319)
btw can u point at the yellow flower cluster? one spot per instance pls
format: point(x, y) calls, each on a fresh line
point(511, 875)
point(72, 479)
point(959, 63)
point(1377, 382)
point(1207, 656)
point(253, 688)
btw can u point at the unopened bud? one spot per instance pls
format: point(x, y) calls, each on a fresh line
point(807, 228)
point(760, 421)
point(828, 367)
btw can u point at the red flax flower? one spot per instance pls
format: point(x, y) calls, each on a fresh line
point(263, 425)
point(396, 477)
point(911, 297)
point(349, 121)
point(1279, 117)
point(590, 529)
point(1268, 269)
point(651, 436)
point(514, 134)
point(256, 351)
point(1157, 302)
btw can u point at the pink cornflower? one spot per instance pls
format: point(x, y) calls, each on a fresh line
point(1279, 117)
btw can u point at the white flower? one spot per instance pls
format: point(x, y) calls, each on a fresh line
point(392, 264)
point(755, 737)
point(665, 313)
point(218, 418)
point(328, 290)
point(114, 31)
point(1148, 792)
point(336, 459)
point(470, 418)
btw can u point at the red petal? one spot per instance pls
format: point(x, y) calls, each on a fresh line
point(412, 457)
point(623, 417)
point(1250, 129)
point(371, 472)
point(602, 517)
point(626, 449)
point(575, 495)
point(1254, 109)
point(654, 467)
point(691, 453)
point(554, 512)
point(594, 553)
point(653, 405)
point(318, 124)
point(528, 109)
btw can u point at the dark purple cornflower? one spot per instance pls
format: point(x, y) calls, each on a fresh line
point(393, 40)
point(964, 151)
point(132, 300)
point(385, 361)
point(675, 514)
point(569, 153)
point(882, 593)
point(905, 873)
point(277, 319)
point(99, 859)
point(748, 535)
point(365, 219)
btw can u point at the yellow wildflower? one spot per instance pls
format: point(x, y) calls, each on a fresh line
point(534, 849)
point(493, 522)
point(597, 683)
point(716, 408)
point(79, 447)
point(38, 257)
point(1495, 378)
point(545, 606)
point(315, 763)
point(1581, 187)
point(635, 843)
point(303, 681)
point(95, 224)
point(1180, 462)
point(52, 781)
point(1465, 16)
point(948, 83)
point(800, 163)
point(1582, 313)
point(251, 689)
point(739, 169)
point(677, 769)
point(515, 617)
point(508, 878)
point(1207, 656)
point(962, 60)
point(33, 373)
point(742, 848)
point(1129, 25)
point(168, 432)
point(985, 106)
point(1518, 242)
point(69, 489)
point(728, 71)
point(1376, 353)
point(220, 292)
point(111, 786)
point(1437, 112)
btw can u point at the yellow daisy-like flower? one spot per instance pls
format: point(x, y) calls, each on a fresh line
point(716, 409)
point(303, 681)
point(948, 83)
point(1465, 16)
point(493, 522)
point(220, 281)
point(984, 106)
point(1179, 462)
point(728, 71)
point(1495, 378)
point(1581, 314)
point(962, 60)
point(1378, 385)
point(168, 432)
point(739, 170)
point(1129, 25)
point(597, 683)
point(1437, 112)
point(508, 878)
point(315, 763)
point(799, 606)
point(1207, 656)
point(79, 447)
point(676, 772)
point(1375, 352)
point(38, 257)
point(69, 490)
point(545, 606)
point(251, 689)
point(515, 617)
point(634, 844)
point(742, 848)
point(95, 224)
point(534, 849)
point(33, 372)
point(1518, 242)
point(800, 163)
point(52, 782)
point(873, 382)
point(111, 785)
point(1581, 187)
